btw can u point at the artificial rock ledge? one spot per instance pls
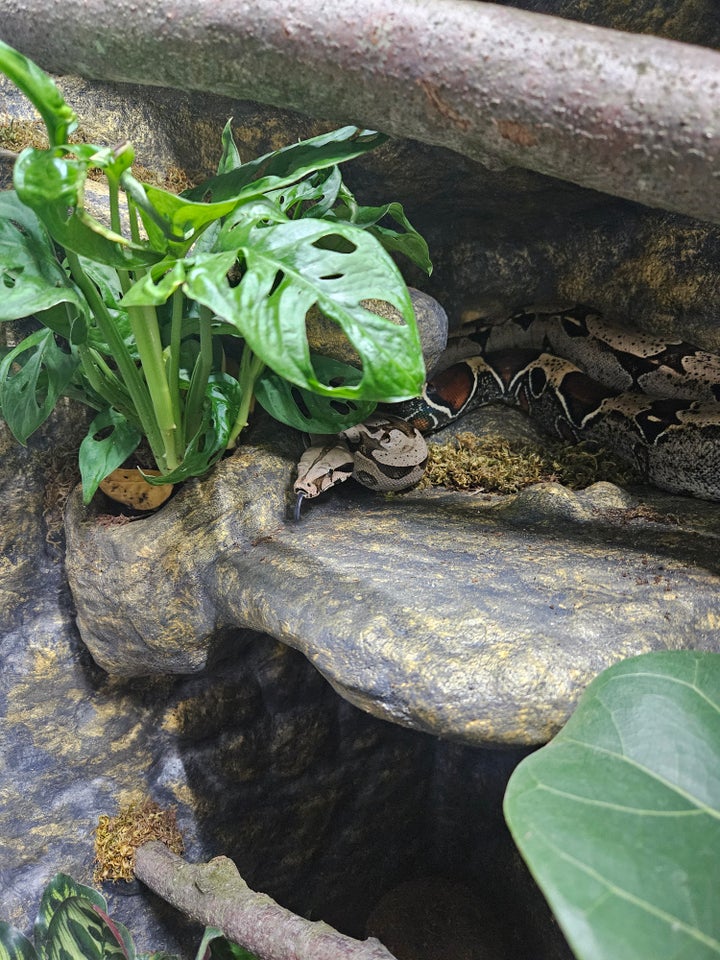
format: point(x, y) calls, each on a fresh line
point(470, 618)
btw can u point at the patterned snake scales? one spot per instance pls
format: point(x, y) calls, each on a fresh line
point(654, 402)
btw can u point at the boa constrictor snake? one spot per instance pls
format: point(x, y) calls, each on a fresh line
point(653, 402)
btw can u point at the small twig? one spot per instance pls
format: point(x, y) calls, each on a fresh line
point(216, 895)
point(8, 154)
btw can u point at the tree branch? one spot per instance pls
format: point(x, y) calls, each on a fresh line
point(215, 894)
point(636, 116)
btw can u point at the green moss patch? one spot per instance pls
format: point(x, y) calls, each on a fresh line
point(494, 464)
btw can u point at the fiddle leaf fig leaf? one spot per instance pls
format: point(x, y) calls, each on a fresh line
point(618, 817)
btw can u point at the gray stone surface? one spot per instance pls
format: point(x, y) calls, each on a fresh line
point(472, 618)
point(320, 805)
point(478, 619)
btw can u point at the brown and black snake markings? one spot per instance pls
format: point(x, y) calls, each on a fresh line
point(654, 402)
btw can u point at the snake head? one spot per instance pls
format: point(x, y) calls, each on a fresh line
point(320, 468)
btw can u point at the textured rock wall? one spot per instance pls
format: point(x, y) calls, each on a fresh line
point(478, 619)
point(317, 801)
point(322, 806)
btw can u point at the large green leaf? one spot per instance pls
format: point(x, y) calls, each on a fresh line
point(108, 443)
point(618, 817)
point(32, 377)
point(184, 215)
point(31, 279)
point(14, 945)
point(288, 164)
point(80, 930)
point(179, 218)
point(60, 120)
point(291, 267)
point(308, 411)
point(61, 888)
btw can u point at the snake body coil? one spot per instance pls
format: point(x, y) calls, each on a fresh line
point(654, 402)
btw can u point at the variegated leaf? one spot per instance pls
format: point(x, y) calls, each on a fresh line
point(15, 945)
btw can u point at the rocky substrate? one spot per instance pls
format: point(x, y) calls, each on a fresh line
point(469, 621)
point(474, 618)
point(322, 806)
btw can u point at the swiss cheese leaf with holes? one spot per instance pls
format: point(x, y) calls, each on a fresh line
point(291, 266)
point(31, 279)
point(109, 442)
point(308, 411)
point(32, 376)
point(618, 817)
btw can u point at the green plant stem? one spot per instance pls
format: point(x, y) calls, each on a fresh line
point(173, 366)
point(200, 376)
point(136, 388)
point(251, 366)
point(133, 217)
point(116, 224)
point(114, 206)
point(135, 189)
point(146, 330)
